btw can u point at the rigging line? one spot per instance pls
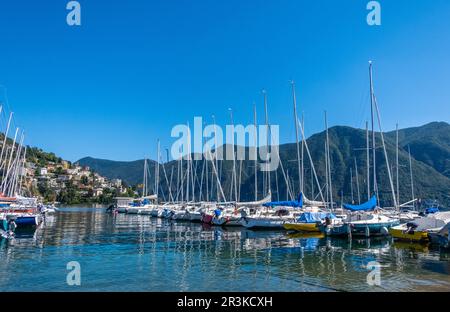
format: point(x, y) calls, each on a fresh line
point(312, 163)
point(385, 153)
point(286, 178)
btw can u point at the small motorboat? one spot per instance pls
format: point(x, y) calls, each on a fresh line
point(312, 222)
point(420, 229)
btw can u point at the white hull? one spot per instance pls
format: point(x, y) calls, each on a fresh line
point(146, 211)
point(227, 221)
point(195, 216)
point(133, 210)
point(179, 215)
point(264, 222)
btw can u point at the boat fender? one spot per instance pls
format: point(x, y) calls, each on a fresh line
point(384, 230)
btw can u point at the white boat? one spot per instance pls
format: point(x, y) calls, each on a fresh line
point(227, 216)
point(368, 224)
point(265, 218)
point(441, 237)
point(179, 215)
point(194, 213)
point(123, 203)
point(133, 210)
point(422, 228)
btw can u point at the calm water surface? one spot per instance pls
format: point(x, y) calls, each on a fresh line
point(140, 253)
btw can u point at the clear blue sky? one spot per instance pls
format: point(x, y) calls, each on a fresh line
point(136, 68)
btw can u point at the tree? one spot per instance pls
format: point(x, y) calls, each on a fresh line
point(84, 180)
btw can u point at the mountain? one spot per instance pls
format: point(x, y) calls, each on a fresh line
point(430, 151)
point(429, 144)
point(130, 172)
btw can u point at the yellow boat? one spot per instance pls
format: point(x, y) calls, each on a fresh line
point(401, 233)
point(302, 227)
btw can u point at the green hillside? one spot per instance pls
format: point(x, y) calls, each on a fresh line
point(430, 148)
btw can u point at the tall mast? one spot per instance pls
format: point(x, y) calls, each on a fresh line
point(193, 172)
point(287, 184)
point(327, 184)
point(276, 185)
point(329, 161)
point(5, 139)
point(373, 129)
point(181, 178)
point(171, 184)
point(368, 161)
point(312, 166)
point(268, 133)
point(302, 154)
point(144, 182)
point(8, 164)
point(256, 152)
point(219, 186)
point(234, 159)
point(157, 170)
point(391, 182)
point(22, 173)
point(15, 168)
point(411, 175)
point(240, 181)
point(397, 165)
point(216, 154)
point(206, 174)
point(188, 167)
point(357, 182)
point(351, 185)
point(300, 178)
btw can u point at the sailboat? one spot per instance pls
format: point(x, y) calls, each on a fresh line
point(272, 214)
point(231, 215)
point(368, 219)
point(16, 211)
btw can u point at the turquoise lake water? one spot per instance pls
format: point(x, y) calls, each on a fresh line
point(140, 253)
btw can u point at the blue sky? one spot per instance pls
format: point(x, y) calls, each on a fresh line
point(134, 69)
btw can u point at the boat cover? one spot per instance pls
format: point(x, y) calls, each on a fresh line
point(309, 202)
point(267, 199)
point(431, 210)
point(370, 205)
point(294, 203)
point(314, 217)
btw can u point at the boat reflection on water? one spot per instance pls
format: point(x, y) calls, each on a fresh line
point(140, 253)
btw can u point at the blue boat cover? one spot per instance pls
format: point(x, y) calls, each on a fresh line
point(431, 210)
point(294, 203)
point(217, 212)
point(314, 217)
point(370, 205)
